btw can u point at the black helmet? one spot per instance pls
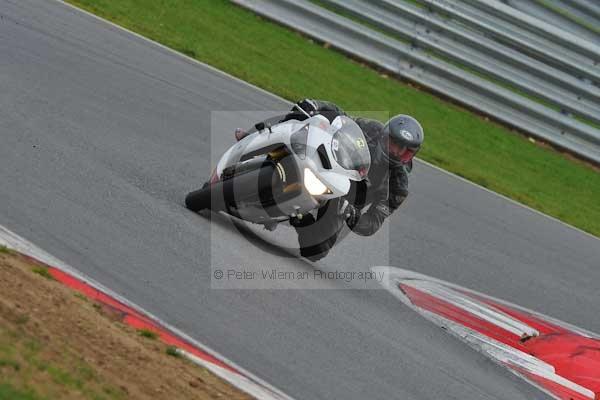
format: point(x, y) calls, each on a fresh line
point(402, 139)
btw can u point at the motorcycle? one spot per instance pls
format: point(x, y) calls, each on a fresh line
point(285, 170)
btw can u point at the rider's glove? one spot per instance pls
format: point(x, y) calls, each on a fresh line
point(383, 209)
point(308, 105)
point(351, 214)
point(306, 220)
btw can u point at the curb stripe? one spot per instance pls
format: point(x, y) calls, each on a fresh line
point(558, 358)
point(137, 318)
point(132, 317)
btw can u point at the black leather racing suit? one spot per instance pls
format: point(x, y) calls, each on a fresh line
point(386, 187)
point(387, 183)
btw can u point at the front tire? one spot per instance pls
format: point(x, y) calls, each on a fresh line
point(199, 199)
point(210, 197)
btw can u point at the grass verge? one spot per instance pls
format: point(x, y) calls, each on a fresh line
point(43, 271)
point(172, 351)
point(258, 51)
point(148, 334)
point(57, 345)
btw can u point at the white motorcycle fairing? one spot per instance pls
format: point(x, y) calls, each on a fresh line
point(311, 162)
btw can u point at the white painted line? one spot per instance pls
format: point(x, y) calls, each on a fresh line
point(393, 274)
point(503, 354)
point(237, 380)
point(506, 355)
point(225, 74)
point(475, 307)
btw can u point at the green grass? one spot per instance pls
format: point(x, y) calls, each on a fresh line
point(258, 51)
point(9, 392)
point(25, 361)
point(172, 351)
point(81, 296)
point(10, 363)
point(148, 334)
point(43, 271)
point(5, 250)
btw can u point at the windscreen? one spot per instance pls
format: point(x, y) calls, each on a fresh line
point(349, 146)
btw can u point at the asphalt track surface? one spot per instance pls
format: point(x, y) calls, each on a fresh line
point(102, 135)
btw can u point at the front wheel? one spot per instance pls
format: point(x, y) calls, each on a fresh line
point(209, 197)
point(199, 199)
point(256, 182)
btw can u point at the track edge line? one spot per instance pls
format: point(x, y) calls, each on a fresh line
point(234, 374)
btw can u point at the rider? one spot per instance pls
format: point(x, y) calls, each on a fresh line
point(392, 146)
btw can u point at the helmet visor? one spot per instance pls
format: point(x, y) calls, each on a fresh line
point(407, 156)
point(399, 152)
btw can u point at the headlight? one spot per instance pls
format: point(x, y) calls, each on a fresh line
point(313, 184)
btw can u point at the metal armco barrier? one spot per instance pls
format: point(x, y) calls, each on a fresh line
point(490, 56)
